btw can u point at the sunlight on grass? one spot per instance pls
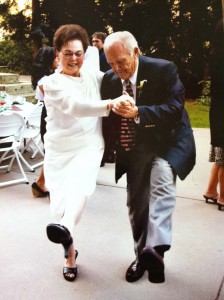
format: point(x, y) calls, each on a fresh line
point(199, 114)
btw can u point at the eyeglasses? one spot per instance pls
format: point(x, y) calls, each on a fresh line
point(70, 54)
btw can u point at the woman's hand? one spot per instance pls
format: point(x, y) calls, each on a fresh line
point(125, 99)
point(125, 106)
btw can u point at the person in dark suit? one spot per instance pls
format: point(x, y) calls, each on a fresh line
point(159, 146)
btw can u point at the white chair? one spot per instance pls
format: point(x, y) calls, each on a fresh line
point(31, 134)
point(12, 127)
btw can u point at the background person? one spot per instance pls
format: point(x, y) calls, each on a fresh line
point(216, 117)
point(73, 142)
point(45, 64)
point(98, 39)
point(154, 144)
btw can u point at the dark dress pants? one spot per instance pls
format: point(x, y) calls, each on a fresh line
point(137, 164)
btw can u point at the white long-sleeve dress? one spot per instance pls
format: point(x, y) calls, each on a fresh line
point(73, 142)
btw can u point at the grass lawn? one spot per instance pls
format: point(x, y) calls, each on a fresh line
point(199, 114)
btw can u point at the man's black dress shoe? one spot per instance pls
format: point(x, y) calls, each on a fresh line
point(151, 261)
point(134, 272)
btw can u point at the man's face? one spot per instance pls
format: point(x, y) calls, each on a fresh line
point(122, 62)
point(97, 42)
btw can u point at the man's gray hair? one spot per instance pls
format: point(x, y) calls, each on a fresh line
point(121, 36)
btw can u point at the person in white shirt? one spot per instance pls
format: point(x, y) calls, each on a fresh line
point(45, 64)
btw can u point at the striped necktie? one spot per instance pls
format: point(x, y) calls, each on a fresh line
point(128, 126)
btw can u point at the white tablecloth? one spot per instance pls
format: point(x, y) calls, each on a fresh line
point(24, 110)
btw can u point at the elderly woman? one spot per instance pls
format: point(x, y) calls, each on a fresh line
point(73, 142)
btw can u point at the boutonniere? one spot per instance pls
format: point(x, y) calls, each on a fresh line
point(140, 87)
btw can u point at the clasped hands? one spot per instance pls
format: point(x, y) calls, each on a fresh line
point(125, 106)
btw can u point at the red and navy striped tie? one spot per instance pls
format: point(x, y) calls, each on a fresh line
point(128, 126)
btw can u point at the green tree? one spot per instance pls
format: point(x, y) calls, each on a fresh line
point(15, 24)
point(37, 34)
point(193, 27)
point(15, 49)
point(59, 12)
point(178, 30)
point(150, 22)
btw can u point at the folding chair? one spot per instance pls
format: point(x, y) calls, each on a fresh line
point(31, 134)
point(12, 127)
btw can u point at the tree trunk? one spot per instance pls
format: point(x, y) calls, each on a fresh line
point(36, 34)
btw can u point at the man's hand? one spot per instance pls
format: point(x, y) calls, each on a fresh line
point(124, 106)
point(126, 109)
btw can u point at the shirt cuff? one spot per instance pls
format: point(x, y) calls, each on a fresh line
point(137, 119)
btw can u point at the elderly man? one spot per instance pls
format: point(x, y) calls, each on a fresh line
point(154, 143)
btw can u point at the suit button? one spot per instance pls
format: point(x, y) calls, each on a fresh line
point(150, 126)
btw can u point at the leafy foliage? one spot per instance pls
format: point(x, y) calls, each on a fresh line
point(194, 27)
point(150, 22)
point(178, 30)
point(15, 25)
point(18, 56)
point(205, 98)
point(16, 50)
point(59, 12)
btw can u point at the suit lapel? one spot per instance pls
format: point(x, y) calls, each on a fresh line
point(116, 86)
point(140, 77)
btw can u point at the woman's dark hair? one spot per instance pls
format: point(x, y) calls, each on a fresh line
point(68, 32)
point(43, 64)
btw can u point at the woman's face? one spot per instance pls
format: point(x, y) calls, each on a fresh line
point(71, 57)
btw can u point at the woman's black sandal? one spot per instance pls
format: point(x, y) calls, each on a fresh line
point(213, 199)
point(59, 234)
point(37, 191)
point(70, 271)
point(220, 205)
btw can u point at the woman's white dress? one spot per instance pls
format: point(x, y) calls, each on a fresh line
point(73, 142)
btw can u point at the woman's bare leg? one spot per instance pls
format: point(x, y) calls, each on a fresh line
point(213, 182)
point(41, 180)
point(221, 184)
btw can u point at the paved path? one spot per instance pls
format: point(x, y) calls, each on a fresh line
point(31, 266)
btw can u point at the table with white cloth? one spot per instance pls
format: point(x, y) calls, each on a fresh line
point(24, 110)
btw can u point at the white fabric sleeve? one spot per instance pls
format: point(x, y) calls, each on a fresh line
point(75, 105)
point(92, 60)
point(39, 95)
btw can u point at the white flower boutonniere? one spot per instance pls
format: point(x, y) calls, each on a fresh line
point(140, 87)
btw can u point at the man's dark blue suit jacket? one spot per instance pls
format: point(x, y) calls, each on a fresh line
point(164, 127)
